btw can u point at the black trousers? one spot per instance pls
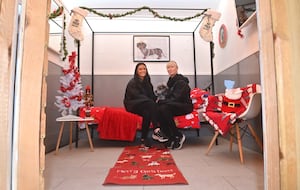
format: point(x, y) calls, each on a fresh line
point(148, 112)
point(166, 113)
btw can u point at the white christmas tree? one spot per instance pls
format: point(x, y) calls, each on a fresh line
point(70, 91)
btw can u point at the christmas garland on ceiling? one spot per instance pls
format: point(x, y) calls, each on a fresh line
point(154, 13)
point(59, 11)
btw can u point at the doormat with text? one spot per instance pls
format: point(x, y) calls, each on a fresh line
point(145, 166)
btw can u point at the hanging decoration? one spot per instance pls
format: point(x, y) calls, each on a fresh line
point(79, 13)
point(56, 13)
point(71, 94)
point(63, 45)
point(207, 24)
point(76, 23)
point(154, 13)
point(240, 34)
point(239, 30)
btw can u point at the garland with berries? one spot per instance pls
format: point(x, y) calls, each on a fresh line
point(56, 13)
point(154, 13)
point(63, 44)
point(60, 10)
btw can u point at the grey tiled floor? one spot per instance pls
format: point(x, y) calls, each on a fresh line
point(79, 168)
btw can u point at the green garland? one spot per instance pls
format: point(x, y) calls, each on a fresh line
point(59, 11)
point(154, 13)
point(56, 13)
point(64, 43)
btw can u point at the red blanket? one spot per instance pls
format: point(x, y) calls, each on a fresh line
point(117, 124)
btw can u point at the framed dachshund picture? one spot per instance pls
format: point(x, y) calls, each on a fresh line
point(151, 48)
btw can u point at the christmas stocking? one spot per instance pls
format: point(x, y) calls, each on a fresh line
point(76, 23)
point(207, 23)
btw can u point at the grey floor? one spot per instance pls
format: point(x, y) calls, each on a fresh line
point(79, 169)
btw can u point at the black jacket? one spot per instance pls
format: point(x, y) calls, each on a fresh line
point(179, 89)
point(178, 96)
point(138, 92)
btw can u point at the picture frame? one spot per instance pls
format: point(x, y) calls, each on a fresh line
point(151, 48)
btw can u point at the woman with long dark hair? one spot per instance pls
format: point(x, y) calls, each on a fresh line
point(140, 99)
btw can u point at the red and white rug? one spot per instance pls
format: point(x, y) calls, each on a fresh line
point(140, 166)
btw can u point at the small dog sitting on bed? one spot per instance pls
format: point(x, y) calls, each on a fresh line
point(161, 92)
point(148, 52)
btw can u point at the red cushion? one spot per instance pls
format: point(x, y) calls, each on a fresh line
point(188, 121)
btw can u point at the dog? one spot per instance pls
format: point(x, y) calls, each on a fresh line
point(148, 52)
point(161, 92)
point(163, 176)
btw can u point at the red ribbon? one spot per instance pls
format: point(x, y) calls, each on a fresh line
point(239, 32)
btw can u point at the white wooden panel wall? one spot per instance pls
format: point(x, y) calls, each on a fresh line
point(114, 55)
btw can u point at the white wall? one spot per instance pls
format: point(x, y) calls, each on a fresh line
point(86, 50)
point(237, 48)
point(202, 49)
point(114, 54)
point(54, 42)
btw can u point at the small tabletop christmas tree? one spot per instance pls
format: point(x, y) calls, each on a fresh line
point(70, 91)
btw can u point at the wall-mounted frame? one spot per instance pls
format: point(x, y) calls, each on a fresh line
point(151, 48)
point(222, 36)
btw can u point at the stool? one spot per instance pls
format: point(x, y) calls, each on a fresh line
point(71, 119)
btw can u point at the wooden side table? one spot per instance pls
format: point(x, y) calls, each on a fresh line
point(72, 119)
point(92, 127)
